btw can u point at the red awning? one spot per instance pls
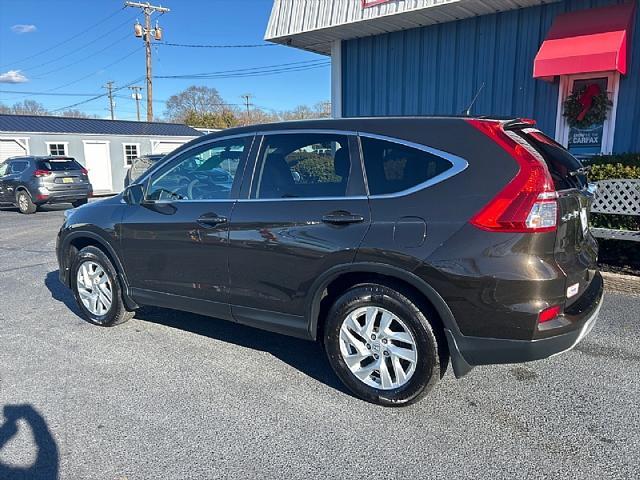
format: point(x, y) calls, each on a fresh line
point(593, 40)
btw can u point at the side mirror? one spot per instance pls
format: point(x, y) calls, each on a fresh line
point(134, 194)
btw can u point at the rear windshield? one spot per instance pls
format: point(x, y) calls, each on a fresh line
point(566, 170)
point(59, 165)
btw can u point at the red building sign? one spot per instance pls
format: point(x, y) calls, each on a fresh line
point(371, 3)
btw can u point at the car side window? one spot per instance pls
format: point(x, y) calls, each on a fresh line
point(4, 169)
point(392, 167)
point(19, 166)
point(303, 165)
point(205, 173)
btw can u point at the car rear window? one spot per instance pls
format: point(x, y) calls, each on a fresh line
point(59, 165)
point(566, 170)
point(393, 167)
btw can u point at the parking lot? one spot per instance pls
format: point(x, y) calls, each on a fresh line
point(176, 395)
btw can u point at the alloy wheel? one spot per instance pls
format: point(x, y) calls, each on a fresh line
point(94, 288)
point(378, 347)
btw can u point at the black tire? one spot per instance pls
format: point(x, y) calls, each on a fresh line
point(427, 371)
point(24, 203)
point(79, 203)
point(117, 313)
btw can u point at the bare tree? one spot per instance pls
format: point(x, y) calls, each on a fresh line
point(197, 100)
point(29, 107)
point(75, 113)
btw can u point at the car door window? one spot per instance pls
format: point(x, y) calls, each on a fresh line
point(19, 166)
point(303, 165)
point(4, 169)
point(205, 173)
point(393, 167)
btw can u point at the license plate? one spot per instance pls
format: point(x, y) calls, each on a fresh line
point(67, 180)
point(583, 220)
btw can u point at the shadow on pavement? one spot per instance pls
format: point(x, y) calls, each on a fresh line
point(61, 293)
point(47, 461)
point(307, 357)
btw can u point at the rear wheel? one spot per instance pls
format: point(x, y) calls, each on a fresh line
point(97, 290)
point(79, 203)
point(24, 203)
point(382, 346)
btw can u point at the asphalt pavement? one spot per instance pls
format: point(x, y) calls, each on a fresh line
point(173, 395)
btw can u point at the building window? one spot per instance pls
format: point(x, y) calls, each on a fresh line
point(131, 152)
point(57, 149)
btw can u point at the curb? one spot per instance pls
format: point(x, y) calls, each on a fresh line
point(618, 283)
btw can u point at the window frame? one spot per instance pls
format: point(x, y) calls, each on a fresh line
point(66, 148)
point(459, 164)
point(170, 163)
point(124, 153)
point(356, 186)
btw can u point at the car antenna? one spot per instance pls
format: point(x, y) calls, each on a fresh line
point(467, 112)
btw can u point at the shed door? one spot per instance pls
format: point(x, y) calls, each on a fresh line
point(98, 163)
point(10, 148)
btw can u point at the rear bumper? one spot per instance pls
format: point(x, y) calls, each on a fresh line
point(61, 197)
point(467, 352)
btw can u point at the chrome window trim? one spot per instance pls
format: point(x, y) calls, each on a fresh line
point(458, 164)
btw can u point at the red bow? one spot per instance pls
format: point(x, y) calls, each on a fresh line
point(586, 99)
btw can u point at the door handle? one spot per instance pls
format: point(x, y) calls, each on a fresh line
point(342, 218)
point(211, 220)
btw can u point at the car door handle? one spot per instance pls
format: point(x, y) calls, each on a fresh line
point(210, 220)
point(342, 218)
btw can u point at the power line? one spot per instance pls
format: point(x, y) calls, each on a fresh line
point(84, 59)
point(218, 46)
point(97, 96)
point(88, 44)
point(69, 94)
point(65, 41)
point(252, 70)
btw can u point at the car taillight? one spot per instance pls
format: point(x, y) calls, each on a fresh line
point(84, 171)
point(529, 201)
point(549, 314)
point(42, 173)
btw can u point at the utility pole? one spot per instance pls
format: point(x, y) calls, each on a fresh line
point(145, 33)
point(137, 96)
point(109, 87)
point(247, 97)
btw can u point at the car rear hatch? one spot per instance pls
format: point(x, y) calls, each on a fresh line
point(575, 249)
point(62, 174)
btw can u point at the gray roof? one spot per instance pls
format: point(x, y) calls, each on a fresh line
point(46, 124)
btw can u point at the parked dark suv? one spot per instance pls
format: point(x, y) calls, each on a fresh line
point(29, 182)
point(401, 243)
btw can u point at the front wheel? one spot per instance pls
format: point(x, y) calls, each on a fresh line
point(25, 204)
point(96, 288)
point(382, 346)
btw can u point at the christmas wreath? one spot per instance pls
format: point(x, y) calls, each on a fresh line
point(587, 106)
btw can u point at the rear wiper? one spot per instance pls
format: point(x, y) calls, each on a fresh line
point(580, 171)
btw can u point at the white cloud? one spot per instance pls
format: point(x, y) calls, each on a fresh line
point(13, 76)
point(22, 28)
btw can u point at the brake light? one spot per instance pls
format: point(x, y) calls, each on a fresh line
point(549, 314)
point(42, 173)
point(84, 171)
point(529, 201)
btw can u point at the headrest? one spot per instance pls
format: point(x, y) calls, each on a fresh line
point(341, 163)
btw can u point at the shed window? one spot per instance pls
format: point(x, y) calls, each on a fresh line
point(130, 153)
point(57, 149)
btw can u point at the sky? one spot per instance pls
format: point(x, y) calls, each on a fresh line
point(75, 47)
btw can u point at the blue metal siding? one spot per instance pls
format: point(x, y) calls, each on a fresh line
point(436, 70)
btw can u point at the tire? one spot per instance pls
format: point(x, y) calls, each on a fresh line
point(426, 367)
point(24, 203)
point(116, 313)
point(79, 203)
